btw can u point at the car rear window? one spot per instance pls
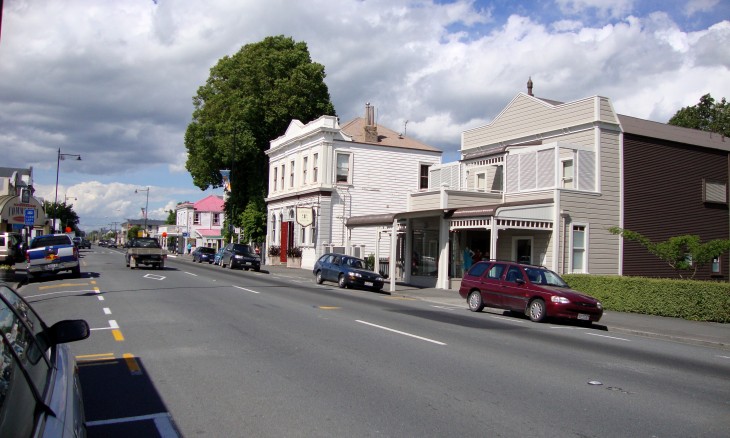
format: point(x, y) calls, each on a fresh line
point(478, 269)
point(206, 250)
point(40, 242)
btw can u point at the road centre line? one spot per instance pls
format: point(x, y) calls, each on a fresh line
point(56, 293)
point(400, 332)
point(609, 337)
point(107, 311)
point(247, 290)
point(112, 326)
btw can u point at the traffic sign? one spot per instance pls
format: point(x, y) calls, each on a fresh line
point(185, 234)
point(29, 217)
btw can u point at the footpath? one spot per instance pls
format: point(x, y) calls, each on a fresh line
point(710, 334)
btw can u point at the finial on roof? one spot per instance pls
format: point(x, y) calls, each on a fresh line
point(529, 86)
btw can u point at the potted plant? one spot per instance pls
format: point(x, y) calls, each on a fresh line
point(294, 257)
point(7, 272)
point(274, 255)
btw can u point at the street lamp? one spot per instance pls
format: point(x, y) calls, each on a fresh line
point(146, 206)
point(58, 166)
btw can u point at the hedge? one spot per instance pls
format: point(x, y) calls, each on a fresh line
point(686, 299)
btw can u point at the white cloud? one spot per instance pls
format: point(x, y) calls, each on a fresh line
point(114, 81)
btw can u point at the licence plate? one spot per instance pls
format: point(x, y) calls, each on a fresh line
point(51, 266)
point(368, 283)
point(584, 316)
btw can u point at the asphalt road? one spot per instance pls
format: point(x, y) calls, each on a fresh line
point(196, 350)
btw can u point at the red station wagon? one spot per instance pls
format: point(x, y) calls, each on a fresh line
point(533, 290)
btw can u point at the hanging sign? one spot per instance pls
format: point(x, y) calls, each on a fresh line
point(304, 216)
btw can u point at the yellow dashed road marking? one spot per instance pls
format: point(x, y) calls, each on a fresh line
point(328, 307)
point(132, 364)
point(117, 335)
point(55, 286)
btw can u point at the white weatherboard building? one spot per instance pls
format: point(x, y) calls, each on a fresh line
point(321, 174)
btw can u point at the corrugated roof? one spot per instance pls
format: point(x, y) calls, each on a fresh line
point(647, 128)
point(386, 137)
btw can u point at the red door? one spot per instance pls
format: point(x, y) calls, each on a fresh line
point(284, 241)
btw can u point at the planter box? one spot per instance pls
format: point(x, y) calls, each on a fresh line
point(273, 260)
point(294, 262)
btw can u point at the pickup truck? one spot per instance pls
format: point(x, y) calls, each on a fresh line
point(145, 251)
point(51, 254)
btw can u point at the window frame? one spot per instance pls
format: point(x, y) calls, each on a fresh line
point(583, 250)
point(315, 167)
point(564, 180)
point(423, 172)
point(348, 179)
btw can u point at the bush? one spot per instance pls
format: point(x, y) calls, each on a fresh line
point(294, 252)
point(274, 250)
point(687, 299)
point(370, 262)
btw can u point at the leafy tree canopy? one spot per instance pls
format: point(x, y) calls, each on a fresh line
point(171, 218)
point(707, 115)
point(65, 214)
point(253, 221)
point(681, 253)
point(249, 99)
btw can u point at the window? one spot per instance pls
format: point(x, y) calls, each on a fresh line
point(313, 236)
point(579, 249)
point(481, 182)
point(216, 218)
point(273, 228)
point(282, 177)
point(568, 174)
point(423, 178)
point(513, 274)
point(291, 174)
point(196, 218)
point(303, 234)
point(495, 273)
point(343, 168)
point(276, 169)
point(716, 265)
point(315, 167)
point(304, 170)
point(714, 192)
point(498, 182)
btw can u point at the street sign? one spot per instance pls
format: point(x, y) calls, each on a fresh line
point(29, 217)
point(185, 234)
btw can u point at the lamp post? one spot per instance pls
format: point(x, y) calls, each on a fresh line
point(146, 206)
point(58, 166)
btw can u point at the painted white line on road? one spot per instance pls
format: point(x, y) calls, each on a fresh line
point(154, 277)
point(162, 421)
point(113, 324)
point(247, 290)
point(101, 298)
point(448, 307)
point(61, 292)
point(724, 357)
point(519, 321)
point(400, 332)
point(609, 337)
point(190, 273)
point(107, 311)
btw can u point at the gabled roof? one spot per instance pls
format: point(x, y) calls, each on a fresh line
point(211, 203)
point(355, 129)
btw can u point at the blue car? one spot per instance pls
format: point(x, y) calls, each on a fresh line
point(203, 254)
point(347, 271)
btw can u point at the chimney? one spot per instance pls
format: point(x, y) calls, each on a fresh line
point(529, 86)
point(371, 131)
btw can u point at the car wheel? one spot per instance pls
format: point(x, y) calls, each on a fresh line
point(341, 282)
point(245, 268)
point(76, 272)
point(476, 304)
point(29, 277)
point(536, 310)
point(319, 278)
point(230, 264)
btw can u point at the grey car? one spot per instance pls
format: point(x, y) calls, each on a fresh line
point(40, 394)
point(238, 255)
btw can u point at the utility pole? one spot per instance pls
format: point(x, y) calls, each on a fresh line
point(114, 224)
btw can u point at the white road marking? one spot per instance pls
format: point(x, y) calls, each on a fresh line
point(155, 277)
point(101, 298)
point(448, 307)
point(61, 292)
point(400, 332)
point(112, 326)
point(107, 311)
point(519, 321)
point(724, 357)
point(609, 337)
point(190, 273)
point(247, 290)
point(163, 422)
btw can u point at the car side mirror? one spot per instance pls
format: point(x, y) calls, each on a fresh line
point(69, 330)
point(519, 281)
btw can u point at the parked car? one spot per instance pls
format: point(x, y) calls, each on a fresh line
point(218, 256)
point(40, 393)
point(80, 242)
point(52, 254)
point(347, 271)
point(12, 248)
point(535, 291)
point(238, 255)
point(203, 254)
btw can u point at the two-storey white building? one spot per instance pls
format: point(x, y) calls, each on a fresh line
point(321, 174)
point(200, 223)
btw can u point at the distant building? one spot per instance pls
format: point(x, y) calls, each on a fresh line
point(200, 223)
point(18, 203)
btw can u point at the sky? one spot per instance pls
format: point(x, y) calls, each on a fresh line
point(113, 81)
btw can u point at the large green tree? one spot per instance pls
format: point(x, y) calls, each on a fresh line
point(249, 100)
point(708, 115)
